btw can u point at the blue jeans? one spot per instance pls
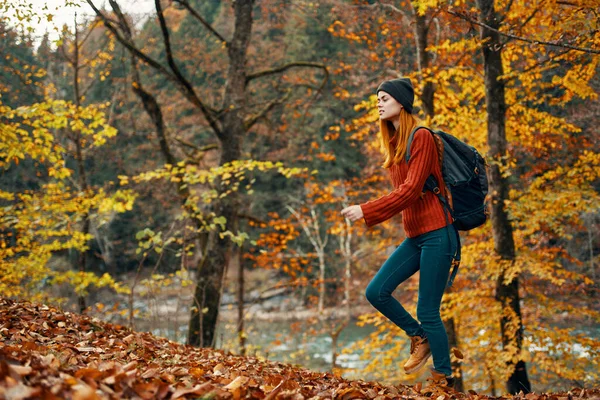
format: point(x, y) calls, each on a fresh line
point(431, 253)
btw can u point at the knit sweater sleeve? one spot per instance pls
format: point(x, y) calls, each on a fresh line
point(420, 165)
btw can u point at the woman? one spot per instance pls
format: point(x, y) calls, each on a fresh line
point(428, 247)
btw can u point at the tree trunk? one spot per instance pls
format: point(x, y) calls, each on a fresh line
point(203, 321)
point(85, 230)
point(346, 250)
point(506, 294)
point(241, 335)
point(427, 99)
point(456, 365)
point(321, 305)
point(421, 31)
point(335, 335)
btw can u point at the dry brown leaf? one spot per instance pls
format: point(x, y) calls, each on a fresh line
point(196, 372)
point(219, 369)
point(198, 389)
point(20, 370)
point(146, 391)
point(457, 353)
point(350, 393)
point(90, 373)
point(130, 365)
point(236, 383)
point(151, 373)
point(84, 392)
point(180, 371)
point(418, 386)
point(170, 378)
point(89, 349)
point(20, 392)
point(275, 391)
point(68, 379)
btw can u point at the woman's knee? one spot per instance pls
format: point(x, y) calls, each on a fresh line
point(372, 293)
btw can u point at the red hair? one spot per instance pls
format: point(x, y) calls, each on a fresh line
point(406, 123)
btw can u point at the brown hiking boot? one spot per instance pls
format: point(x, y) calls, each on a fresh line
point(440, 379)
point(419, 354)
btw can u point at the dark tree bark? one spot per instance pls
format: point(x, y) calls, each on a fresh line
point(210, 271)
point(506, 294)
point(422, 31)
point(427, 98)
point(241, 289)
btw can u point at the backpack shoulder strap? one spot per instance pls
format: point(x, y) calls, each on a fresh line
point(411, 137)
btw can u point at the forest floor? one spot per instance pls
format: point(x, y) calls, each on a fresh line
point(46, 353)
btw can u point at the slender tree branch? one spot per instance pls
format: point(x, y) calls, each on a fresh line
point(197, 153)
point(168, 49)
point(89, 60)
point(251, 218)
point(64, 54)
point(538, 64)
point(199, 149)
point(507, 9)
point(251, 121)
point(272, 71)
point(529, 18)
point(202, 20)
point(87, 35)
point(533, 41)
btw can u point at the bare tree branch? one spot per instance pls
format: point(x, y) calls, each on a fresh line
point(251, 121)
point(202, 20)
point(168, 49)
point(272, 71)
point(533, 41)
point(199, 149)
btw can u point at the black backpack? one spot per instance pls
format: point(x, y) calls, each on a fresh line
point(465, 176)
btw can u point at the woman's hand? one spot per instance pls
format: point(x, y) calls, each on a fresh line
point(353, 213)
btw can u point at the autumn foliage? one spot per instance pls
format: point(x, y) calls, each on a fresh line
point(148, 181)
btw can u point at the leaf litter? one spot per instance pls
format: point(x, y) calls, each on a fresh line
point(49, 354)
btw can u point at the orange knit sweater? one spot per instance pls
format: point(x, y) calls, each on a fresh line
point(421, 213)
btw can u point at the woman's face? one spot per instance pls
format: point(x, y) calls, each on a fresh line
point(389, 108)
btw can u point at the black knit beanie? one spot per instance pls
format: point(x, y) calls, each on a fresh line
point(400, 89)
